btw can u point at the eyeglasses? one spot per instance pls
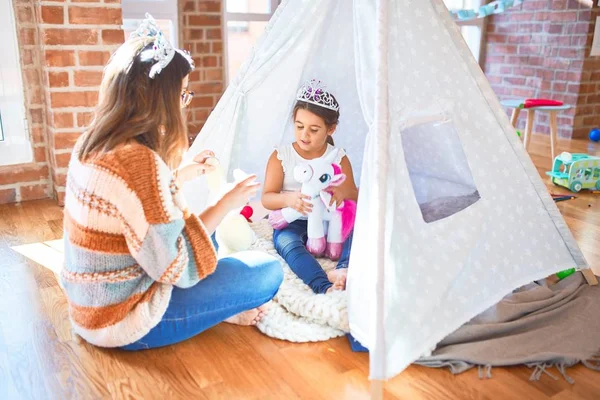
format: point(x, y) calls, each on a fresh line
point(186, 97)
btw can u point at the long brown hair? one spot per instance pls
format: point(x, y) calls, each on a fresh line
point(132, 106)
point(330, 117)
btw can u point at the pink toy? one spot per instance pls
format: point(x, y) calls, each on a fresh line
point(316, 177)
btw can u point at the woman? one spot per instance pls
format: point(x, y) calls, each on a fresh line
point(140, 269)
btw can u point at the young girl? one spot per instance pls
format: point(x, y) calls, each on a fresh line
point(315, 117)
point(140, 269)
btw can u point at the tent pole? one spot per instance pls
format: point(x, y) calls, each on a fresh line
point(376, 389)
point(589, 277)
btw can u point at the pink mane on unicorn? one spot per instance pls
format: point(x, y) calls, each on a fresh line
point(347, 209)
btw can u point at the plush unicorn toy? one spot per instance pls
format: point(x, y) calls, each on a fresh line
point(328, 226)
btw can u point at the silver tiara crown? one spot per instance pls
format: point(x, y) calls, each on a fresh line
point(314, 92)
point(162, 51)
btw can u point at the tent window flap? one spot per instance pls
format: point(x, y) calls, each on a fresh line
point(439, 172)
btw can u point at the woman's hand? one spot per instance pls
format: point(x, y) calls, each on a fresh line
point(298, 202)
point(239, 195)
point(203, 156)
point(197, 168)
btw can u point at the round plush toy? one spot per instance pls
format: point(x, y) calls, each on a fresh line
point(234, 234)
point(595, 135)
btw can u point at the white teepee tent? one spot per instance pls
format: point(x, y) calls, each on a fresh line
point(452, 214)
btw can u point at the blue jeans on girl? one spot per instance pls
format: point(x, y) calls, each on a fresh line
point(241, 282)
point(290, 243)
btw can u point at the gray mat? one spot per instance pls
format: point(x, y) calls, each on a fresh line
point(536, 325)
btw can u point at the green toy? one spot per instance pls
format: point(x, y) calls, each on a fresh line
point(519, 133)
point(576, 171)
point(563, 274)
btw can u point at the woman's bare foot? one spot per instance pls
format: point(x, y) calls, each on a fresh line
point(250, 317)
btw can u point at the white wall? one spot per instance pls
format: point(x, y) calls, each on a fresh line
point(163, 11)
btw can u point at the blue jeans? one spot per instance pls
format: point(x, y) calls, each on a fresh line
point(290, 243)
point(241, 282)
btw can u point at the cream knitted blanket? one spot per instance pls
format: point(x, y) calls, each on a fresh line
point(297, 313)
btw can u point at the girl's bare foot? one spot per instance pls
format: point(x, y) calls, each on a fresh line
point(338, 278)
point(338, 274)
point(340, 284)
point(250, 317)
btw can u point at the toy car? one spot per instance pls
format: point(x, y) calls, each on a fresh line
point(576, 171)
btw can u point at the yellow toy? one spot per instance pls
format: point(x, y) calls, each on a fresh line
point(234, 234)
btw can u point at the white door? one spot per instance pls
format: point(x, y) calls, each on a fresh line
point(15, 146)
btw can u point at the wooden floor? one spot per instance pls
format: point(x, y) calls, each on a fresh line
point(41, 359)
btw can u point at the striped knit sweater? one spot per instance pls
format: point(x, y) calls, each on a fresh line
point(128, 240)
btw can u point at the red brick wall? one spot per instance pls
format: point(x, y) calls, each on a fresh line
point(77, 39)
point(202, 36)
point(29, 181)
point(64, 47)
point(539, 50)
